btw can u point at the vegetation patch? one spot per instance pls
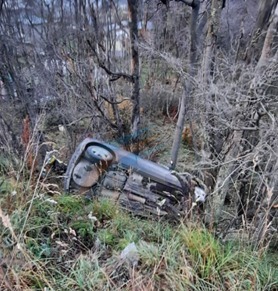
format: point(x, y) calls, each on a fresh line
point(76, 243)
point(162, 79)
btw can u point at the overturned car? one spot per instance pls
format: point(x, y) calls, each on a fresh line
point(141, 186)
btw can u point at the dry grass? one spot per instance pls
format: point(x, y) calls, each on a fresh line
point(65, 242)
point(53, 241)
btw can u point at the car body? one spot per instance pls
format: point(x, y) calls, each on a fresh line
point(140, 185)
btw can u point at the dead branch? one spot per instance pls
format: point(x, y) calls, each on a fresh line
point(114, 76)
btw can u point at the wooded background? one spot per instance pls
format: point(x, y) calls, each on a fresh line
point(108, 67)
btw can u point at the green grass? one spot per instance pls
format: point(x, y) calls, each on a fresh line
point(73, 243)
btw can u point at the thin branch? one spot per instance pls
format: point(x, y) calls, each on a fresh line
point(114, 76)
point(113, 102)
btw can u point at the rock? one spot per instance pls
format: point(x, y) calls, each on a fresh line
point(130, 254)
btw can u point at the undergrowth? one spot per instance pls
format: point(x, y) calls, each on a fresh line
point(69, 242)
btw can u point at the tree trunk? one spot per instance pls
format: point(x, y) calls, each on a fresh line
point(272, 29)
point(207, 75)
point(213, 27)
point(185, 99)
point(265, 10)
point(231, 150)
point(135, 73)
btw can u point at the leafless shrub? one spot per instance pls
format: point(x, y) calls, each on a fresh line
point(241, 126)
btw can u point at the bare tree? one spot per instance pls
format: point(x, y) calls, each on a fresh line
point(195, 4)
point(207, 70)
